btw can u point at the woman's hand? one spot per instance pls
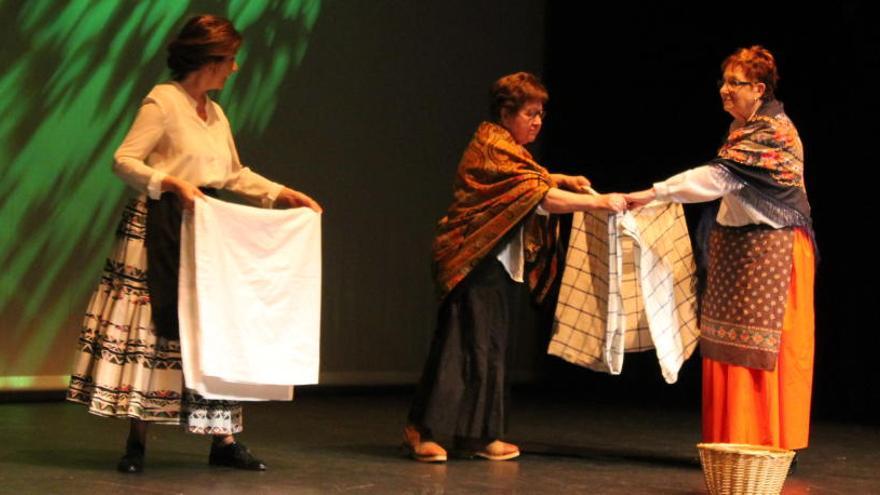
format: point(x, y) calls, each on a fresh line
point(575, 183)
point(183, 189)
point(640, 198)
point(615, 202)
point(288, 198)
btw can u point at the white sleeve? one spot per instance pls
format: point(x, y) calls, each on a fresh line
point(128, 161)
point(541, 211)
point(697, 185)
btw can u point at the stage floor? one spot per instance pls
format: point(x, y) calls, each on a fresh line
point(348, 442)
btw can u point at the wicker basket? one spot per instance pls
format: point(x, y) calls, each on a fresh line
point(740, 469)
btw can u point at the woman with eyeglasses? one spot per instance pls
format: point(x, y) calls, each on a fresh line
point(498, 233)
point(756, 319)
point(179, 148)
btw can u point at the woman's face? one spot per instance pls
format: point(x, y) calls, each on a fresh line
point(219, 72)
point(740, 96)
point(524, 124)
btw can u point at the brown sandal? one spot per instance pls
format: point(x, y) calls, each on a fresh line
point(422, 451)
point(498, 451)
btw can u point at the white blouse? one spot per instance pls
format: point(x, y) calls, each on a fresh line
point(708, 183)
point(512, 255)
point(169, 138)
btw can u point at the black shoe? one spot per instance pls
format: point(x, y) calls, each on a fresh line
point(133, 460)
point(234, 455)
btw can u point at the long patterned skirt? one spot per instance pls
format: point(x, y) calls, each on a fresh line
point(123, 369)
point(745, 405)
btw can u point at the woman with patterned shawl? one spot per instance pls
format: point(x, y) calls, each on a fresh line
point(179, 148)
point(498, 224)
point(756, 320)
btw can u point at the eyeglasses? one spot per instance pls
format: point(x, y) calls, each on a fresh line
point(531, 115)
point(733, 83)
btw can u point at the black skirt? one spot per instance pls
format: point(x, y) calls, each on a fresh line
point(464, 389)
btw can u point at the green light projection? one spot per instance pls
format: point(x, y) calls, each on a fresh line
point(73, 74)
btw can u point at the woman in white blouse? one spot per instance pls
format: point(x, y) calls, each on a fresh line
point(180, 144)
point(756, 321)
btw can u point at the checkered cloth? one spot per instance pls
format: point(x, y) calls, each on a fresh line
point(628, 286)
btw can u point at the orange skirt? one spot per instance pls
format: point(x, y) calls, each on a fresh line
point(745, 405)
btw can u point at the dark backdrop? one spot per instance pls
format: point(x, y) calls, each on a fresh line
point(634, 100)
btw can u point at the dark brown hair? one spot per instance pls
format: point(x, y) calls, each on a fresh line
point(204, 39)
point(513, 91)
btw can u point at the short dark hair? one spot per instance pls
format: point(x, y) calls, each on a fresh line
point(757, 64)
point(513, 91)
point(204, 39)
